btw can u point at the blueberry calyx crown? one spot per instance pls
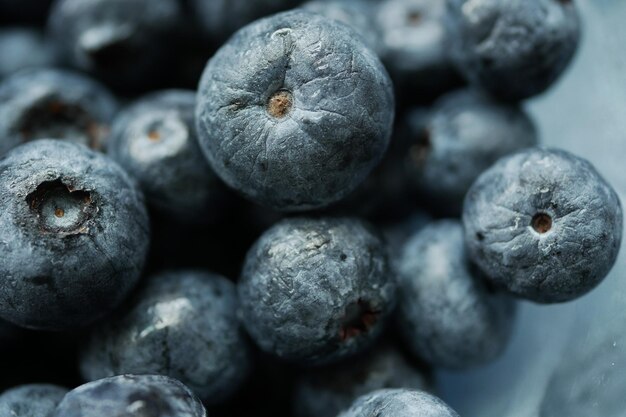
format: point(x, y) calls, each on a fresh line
point(280, 104)
point(541, 223)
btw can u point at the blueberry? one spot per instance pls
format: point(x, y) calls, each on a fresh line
point(155, 141)
point(35, 400)
point(49, 103)
point(447, 315)
point(465, 133)
point(514, 49)
point(414, 48)
point(543, 224)
point(127, 43)
point(182, 324)
point(73, 232)
point(399, 403)
point(24, 47)
point(221, 18)
point(360, 15)
point(131, 396)
point(294, 111)
point(315, 291)
point(331, 390)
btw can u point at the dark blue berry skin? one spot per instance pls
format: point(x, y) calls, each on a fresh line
point(74, 233)
point(131, 396)
point(464, 134)
point(182, 324)
point(514, 49)
point(360, 15)
point(316, 291)
point(24, 47)
point(447, 316)
point(221, 18)
point(126, 43)
point(399, 403)
point(414, 48)
point(331, 390)
point(155, 141)
point(50, 103)
point(294, 111)
point(35, 400)
point(543, 224)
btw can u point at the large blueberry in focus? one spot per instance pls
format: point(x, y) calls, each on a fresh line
point(294, 111)
point(131, 396)
point(23, 47)
point(331, 390)
point(399, 403)
point(183, 325)
point(543, 224)
point(34, 400)
point(514, 49)
point(447, 315)
point(50, 103)
point(464, 134)
point(315, 291)
point(74, 235)
point(155, 141)
point(127, 43)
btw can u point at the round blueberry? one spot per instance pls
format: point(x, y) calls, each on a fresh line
point(315, 291)
point(155, 141)
point(543, 224)
point(447, 315)
point(131, 395)
point(182, 324)
point(34, 400)
point(127, 43)
point(399, 403)
point(24, 47)
point(331, 390)
point(465, 133)
point(294, 111)
point(514, 49)
point(74, 234)
point(48, 103)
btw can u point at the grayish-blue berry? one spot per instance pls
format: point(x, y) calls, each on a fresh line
point(399, 403)
point(34, 400)
point(24, 47)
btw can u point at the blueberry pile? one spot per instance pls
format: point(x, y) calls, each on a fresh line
point(277, 207)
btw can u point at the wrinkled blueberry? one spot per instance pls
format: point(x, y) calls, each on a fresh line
point(35, 400)
point(543, 224)
point(447, 315)
point(464, 134)
point(294, 111)
point(514, 49)
point(73, 234)
point(23, 47)
point(331, 390)
point(127, 43)
point(399, 403)
point(155, 141)
point(53, 104)
point(183, 325)
point(131, 396)
point(315, 291)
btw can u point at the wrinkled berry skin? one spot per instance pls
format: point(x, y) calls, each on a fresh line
point(294, 111)
point(514, 49)
point(23, 47)
point(126, 43)
point(197, 337)
point(331, 390)
point(543, 224)
point(399, 403)
point(446, 314)
point(50, 103)
point(131, 395)
point(154, 140)
point(35, 400)
point(74, 235)
point(315, 291)
point(464, 134)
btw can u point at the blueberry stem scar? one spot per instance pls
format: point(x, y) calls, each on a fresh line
point(280, 104)
point(541, 223)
